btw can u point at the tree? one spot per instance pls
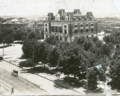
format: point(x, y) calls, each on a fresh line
point(8, 35)
point(53, 55)
point(51, 40)
point(113, 38)
point(88, 44)
point(115, 74)
point(28, 47)
point(20, 33)
point(72, 59)
point(92, 78)
point(1, 37)
point(80, 40)
point(106, 49)
point(107, 39)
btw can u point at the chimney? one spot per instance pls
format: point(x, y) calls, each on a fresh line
point(76, 11)
point(62, 14)
point(70, 15)
point(50, 16)
point(90, 15)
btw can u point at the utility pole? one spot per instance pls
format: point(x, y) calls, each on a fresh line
point(3, 47)
point(87, 76)
point(33, 57)
point(33, 53)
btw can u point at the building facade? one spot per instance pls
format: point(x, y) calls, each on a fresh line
point(70, 25)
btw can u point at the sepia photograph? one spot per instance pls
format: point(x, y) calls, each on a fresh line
point(60, 47)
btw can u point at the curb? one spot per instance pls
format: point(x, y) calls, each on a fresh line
point(45, 78)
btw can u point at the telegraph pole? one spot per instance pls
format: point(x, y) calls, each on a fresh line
point(33, 54)
point(3, 47)
point(87, 76)
point(33, 57)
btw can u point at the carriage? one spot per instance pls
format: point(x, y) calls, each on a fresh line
point(14, 73)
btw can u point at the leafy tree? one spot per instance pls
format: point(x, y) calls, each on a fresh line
point(94, 39)
point(106, 49)
point(39, 49)
point(53, 55)
point(80, 40)
point(107, 39)
point(8, 35)
point(31, 35)
point(28, 47)
point(72, 59)
point(1, 37)
point(20, 33)
point(115, 74)
point(92, 78)
point(113, 38)
point(51, 40)
point(88, 44)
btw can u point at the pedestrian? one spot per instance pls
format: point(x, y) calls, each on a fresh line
point(12, 90)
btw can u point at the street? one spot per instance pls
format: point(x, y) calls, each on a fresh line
point(31, 84)
point(21, 85)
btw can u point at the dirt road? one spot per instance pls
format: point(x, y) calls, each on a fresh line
point(23, 86)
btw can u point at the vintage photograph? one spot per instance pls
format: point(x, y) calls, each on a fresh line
point(60, 47)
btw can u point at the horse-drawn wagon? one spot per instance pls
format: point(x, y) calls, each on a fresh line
point(14, 73)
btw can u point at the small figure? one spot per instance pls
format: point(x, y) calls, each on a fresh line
point(12, 90)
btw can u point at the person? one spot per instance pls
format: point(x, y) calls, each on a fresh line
point(12, 90)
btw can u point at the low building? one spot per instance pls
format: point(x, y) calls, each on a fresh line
point(13, 23)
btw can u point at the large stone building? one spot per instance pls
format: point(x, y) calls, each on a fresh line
point(68, 26)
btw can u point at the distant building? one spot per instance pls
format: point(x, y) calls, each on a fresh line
point(40, 26)
point(109, 25)
point(70, 25)
point(13, 23)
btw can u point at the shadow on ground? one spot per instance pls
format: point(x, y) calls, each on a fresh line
point(42, 69)
point(18, 42)
point(23, 57)
point(37, 68)
point(5, 46)
point(97, 91)
point(70, 82)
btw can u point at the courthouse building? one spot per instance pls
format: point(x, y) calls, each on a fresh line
point(68, 26)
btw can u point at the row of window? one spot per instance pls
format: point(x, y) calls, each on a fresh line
point(57, 29)
point(60, 38)
point(76, 31)
point(82, 25)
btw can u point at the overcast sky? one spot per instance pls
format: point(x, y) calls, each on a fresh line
point(117, 4)
point(37, 7)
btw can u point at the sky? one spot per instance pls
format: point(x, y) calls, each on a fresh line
point(41, 7)
point(117, 4)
